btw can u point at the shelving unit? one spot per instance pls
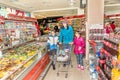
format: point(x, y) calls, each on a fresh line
point(79, 24)
point(110, 52)
point(96, 32)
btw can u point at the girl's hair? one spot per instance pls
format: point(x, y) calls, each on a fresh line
point(79, 32)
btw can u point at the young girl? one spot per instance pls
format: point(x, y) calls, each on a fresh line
point(79, 49)
point(52, 45)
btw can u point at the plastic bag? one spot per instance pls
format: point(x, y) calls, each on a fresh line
point(62, 58)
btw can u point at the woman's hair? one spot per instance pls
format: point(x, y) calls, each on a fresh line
point(63, 27)
point(107, 23)
point(65, 22)
point(113, 22)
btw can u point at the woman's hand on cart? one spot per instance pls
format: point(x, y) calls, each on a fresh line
point(60, 43)
point(71, 43)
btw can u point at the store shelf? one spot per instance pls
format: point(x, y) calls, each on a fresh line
point(116, 42)
point(10, 47)
point(111, 51)
point(103, 75)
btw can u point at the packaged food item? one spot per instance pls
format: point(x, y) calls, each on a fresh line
point(115, 74)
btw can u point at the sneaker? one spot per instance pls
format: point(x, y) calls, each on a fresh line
point(82, 68)
point(64, 65)
point(79, 69)
point(79, 66)
point(54, 67)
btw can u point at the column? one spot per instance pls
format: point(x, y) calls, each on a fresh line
point(95, 15)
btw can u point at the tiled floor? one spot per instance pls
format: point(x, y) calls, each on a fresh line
point(73, 73)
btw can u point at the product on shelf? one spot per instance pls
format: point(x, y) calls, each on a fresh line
point(109, 63)
point(96, 32)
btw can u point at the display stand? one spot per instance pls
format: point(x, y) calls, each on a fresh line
point(93, 60)
point(96, 35)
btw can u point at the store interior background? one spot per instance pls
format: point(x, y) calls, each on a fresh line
point(52, 10)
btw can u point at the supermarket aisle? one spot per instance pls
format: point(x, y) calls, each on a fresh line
point(74, 73)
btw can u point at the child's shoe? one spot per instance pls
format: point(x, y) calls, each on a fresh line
point(82, 68)
point(54, 67)
point(79, 66)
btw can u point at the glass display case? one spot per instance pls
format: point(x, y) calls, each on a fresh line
point(19, 60)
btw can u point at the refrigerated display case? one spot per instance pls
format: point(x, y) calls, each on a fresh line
point(19, 61)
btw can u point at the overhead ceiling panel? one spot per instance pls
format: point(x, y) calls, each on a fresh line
point(41, 6)
point(112, 6)
point(108, 2)
point(55, 13)
point(32, 5)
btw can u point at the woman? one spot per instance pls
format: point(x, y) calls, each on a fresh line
point(66, 36)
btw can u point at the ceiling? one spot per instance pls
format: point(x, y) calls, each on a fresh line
point(48, 8)
point(112, 5)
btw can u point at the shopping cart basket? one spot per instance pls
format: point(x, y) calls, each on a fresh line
point(64, 57)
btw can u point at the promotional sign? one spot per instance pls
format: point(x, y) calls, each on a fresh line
point(4, 11)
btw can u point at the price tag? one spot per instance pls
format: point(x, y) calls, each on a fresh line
point(1, 55)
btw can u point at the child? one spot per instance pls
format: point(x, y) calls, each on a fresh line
point(79, 49)
point(52, 46)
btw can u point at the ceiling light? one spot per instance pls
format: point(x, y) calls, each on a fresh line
point(72, 3)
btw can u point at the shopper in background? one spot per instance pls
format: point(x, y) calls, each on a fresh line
point(108, 28)
point(41, 30)
point(38, 28)
point(79, 49)
point(52, 47)
point(66, 36)
point(112, 25)
point(56, 28)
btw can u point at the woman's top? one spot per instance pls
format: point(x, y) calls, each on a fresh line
point(66, 35)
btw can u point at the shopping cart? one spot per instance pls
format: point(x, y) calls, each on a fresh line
point(64, 57)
